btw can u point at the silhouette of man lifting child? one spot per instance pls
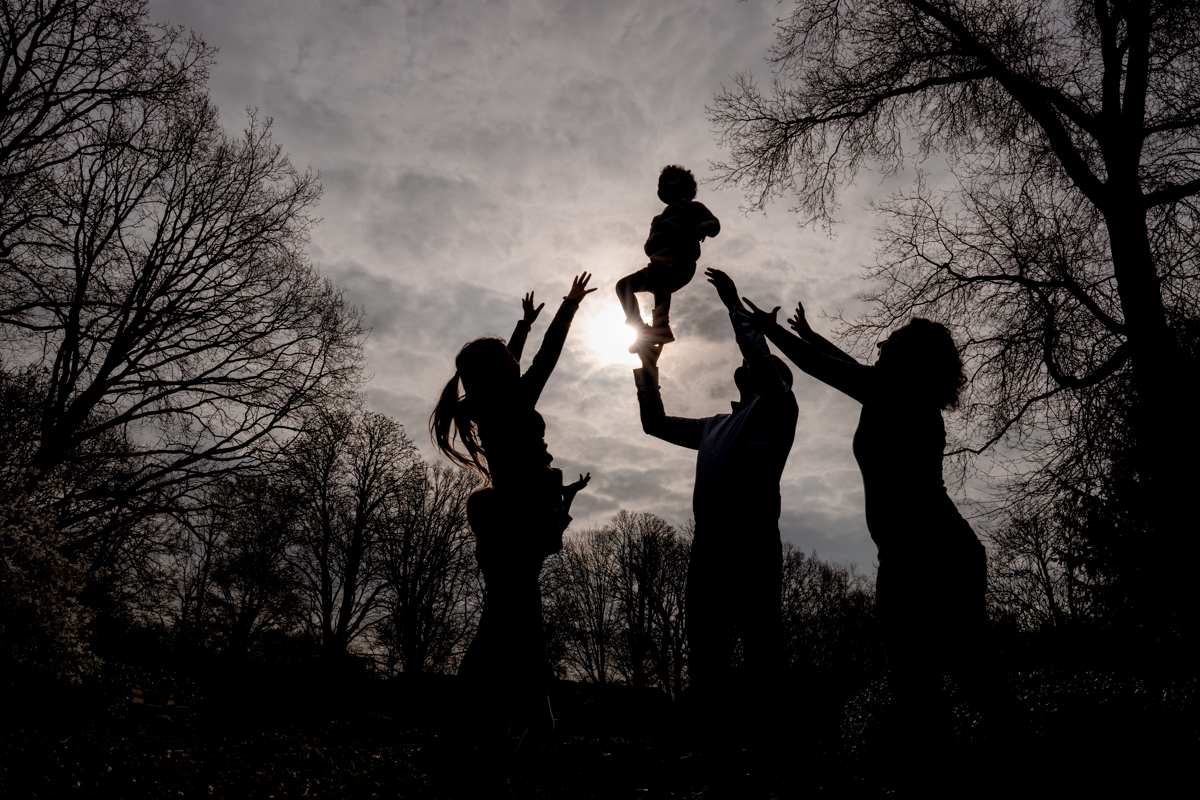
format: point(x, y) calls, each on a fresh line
point(736, 566)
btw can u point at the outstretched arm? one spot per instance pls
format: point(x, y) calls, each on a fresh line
point(750, 342)
point(850, 377)
point(517, 342)
point(706, 223)
point(534, 379)
point(682, 431)
point(800, 325)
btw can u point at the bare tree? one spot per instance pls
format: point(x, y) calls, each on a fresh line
point(189, 571)
point(673, 649)
point(152, 265)
point(434, 594)
point(20, 394)
point(579, 582)
point(252, 586)
point(1066, 253)
point(1064, 564)
point(65, 63)
point(651, 576)
point(347, 467)
point(829, 626)
point(615, 600)
point(1038, 574)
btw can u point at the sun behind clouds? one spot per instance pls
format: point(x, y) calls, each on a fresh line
point(609, 337)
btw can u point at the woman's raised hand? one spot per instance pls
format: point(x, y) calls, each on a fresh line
point(531, 313)
point(799, 322)
point(761, 320)
point(579, 288)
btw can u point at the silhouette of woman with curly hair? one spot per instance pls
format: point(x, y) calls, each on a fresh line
point(932, 568)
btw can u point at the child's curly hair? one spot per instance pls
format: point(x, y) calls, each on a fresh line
point(687, 182)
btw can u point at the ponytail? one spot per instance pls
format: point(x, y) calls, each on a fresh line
point(450, 424)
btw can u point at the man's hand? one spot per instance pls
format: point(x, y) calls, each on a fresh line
point(579, 288)
point(531, 313)
point(799, 323)
point(649, 354)
point(726, 289)
point(761, 321)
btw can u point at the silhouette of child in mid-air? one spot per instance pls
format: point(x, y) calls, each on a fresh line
point(674, 248)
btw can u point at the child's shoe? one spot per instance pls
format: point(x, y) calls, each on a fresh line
point(659, 334)
point(659, 331)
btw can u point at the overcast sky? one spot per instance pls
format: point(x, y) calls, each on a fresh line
point(471, 152)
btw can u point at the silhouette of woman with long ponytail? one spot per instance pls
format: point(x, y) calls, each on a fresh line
point(932, 568)
point(517, 520)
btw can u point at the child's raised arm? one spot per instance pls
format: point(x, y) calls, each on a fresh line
point(516, 342)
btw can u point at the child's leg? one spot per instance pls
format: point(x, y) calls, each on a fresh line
point(671, 279)
point(626, 287)
point(662, 308)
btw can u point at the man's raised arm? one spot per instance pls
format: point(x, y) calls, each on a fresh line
point(682, 431)
point(752, 343)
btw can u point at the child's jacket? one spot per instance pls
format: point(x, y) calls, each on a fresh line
point(679, 229)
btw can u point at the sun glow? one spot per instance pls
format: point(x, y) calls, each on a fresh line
point(609, 337)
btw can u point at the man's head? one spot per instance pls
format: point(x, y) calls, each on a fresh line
point(676, 183)
point(749, 386)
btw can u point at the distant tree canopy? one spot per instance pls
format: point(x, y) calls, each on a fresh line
point(1064, 250)
point(614, 602)
point(432, 600)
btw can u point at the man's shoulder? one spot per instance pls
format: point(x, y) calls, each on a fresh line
point(713, 421)
point(781, 403)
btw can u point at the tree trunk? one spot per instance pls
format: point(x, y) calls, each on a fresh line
point(1163, 425)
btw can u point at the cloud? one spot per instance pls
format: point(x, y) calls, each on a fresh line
point(473, 152)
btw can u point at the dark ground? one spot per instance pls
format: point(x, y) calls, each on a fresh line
point(1089, 734)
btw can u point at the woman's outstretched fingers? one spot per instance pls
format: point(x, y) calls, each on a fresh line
point(799, 322)
point(579, 288)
